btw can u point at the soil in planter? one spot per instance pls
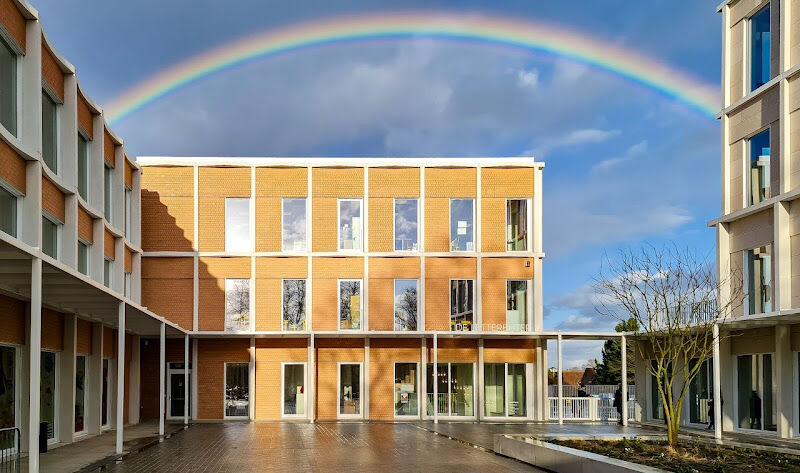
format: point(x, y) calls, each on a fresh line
point(689, 457)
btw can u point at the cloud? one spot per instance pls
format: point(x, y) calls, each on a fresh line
point(573, 138)
point(528, 79)
point(631, 153)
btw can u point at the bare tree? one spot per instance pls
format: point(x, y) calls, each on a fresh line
point(673, 296)
point(405, 314)
point(294, 303)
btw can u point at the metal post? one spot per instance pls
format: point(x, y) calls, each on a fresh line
point(186, 379)
point(560, 383)
point(120, 374)
point(717, 385)
point(435, 378)
point(624, 355)
point(35, 365)
point(161, 362)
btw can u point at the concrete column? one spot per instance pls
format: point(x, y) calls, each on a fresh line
point(251, 397)
point(541, 381)
point(435, 378)
point(480, 387)
point(365, 394)
point(120, 376)
point(421, 246)
point(195, 369)
point(640, 380)
point(186, 379)
point(560, 383)
point(66, 382)
point(727, 382)
point(95, 386)
point(311, 376)
point(162, 361)
point(784, 381)
point(782, 258)
point(624, 355)
point(479, 263)
point(134, 381)
point(423, 379)
point(716, 384)
point(35, 360)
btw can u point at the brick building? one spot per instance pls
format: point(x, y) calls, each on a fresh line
point(318, 288)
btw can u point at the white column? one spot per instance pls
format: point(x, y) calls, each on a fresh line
point(365, 395)
point(195, 368)
point(251, 396)
point(120, 374)
point(480, 386)
point(310, 376)
point(560, 383)
point(162, 360)
point(35, 359)
point(66, 372)
point(435, 378)
point(717, 385)
point(624, 355)
point(423, 379)
point(784, 367)
point(186, 379)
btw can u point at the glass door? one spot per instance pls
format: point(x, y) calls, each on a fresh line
point(700, 393)
point(49, 394)
point(8, 391)
point(293, 393)
point(755, 396)
point(504, 389)
point(80, 394)
point(405, 390)
point(237, 390)
point(104, 395)
point(177, 391)
point(455, 385)
point(350, 390)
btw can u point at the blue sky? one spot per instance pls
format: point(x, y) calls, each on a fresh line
point(624, 164)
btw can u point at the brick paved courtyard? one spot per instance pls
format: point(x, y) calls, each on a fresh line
point(279, 447)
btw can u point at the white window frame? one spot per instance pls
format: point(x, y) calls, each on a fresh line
point(59, 227)
point(746, 156)
point(360, 201)
point(775, 389)
point(85, 430)
point(475, 322)
point(179, 371)
point(394, 225)
point(46, 89)
point(250, 241)
point(748, 47)
point(128, 208)
point(283, 389)
point(746, 277)
point(339, 305)
point(394, 294)
point(305, 242)
point(507, 394)
point(305, 305)
point(339, 414)
point(420, 399)
point(528, 297)
point(475, 386)
point(450, 225)
point(88, 245)
point(250, 318)
point(18, 54)
point(528, 225)
point(225, 389)
point(19, 196)
point(56, 396)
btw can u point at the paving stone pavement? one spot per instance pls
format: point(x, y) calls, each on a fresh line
point(321, 447)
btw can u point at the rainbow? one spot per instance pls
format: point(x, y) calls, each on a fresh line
point(494, 30)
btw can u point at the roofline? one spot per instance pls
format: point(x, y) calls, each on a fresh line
point(335, 161)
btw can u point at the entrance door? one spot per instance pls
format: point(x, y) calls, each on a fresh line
point(177, 391)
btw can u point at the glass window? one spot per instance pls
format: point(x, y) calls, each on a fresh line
point(237, 225)
point(49, 237)
point(700, 393)
point(80, 393)
point(455, 385)
point(517, 225)
point(8, 388)
point(49, 132)
point(237, 389)
point(349, 304)
point(504, 389)
point(8, 212)
point(759, 48)
point(350, 225)
point(83, 257)
point(462, 231)
point(759, 177)
point(8, 87)
point(49, 393)
point(755, 396)
point(237, 304)
point(107, 194)
point(516, 389)
point(461, 304)
point(105, 393)
point(349, 389)
point(294, 389)
point(405, 225)
point(83, 167)
point(128, 199)
point(107, 272)
point(405, 304)
point(516, 305)
point(759, 279)
point(294, 304)
point(294, 224)
point(405, 389)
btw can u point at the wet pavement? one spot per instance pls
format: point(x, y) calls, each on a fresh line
point(322, 447)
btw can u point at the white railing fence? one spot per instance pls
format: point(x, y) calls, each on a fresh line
point(590, 403)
